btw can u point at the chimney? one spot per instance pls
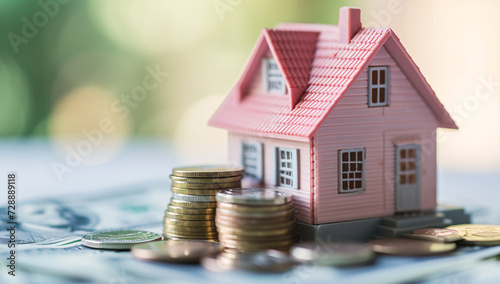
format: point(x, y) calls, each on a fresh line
point(349, 23)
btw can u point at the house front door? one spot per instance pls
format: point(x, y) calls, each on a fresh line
point(407, 177)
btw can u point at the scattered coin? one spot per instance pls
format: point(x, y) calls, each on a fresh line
point(253, 196)
point(435, 235)
point(478, 235)
point(209, 171)
point(180, 251)
point(410, 247)
point(194, 198)
point(335, 253)
point(118, 239)
point(265, 261)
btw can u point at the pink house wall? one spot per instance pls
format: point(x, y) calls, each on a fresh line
point(353, 124)
point(302, 195)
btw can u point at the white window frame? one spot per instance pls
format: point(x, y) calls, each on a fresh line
point(252, 159)
point(287, 167)
point(352, 170)
point(374, 85)
point(270, 75)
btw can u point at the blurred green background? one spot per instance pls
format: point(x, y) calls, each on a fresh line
point(67, 67)
point(51, 48)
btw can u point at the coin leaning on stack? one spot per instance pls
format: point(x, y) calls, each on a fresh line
point(191, 212)
point(253, 219)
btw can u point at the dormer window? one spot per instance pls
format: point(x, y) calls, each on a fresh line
point(378, 86)
point(272, 79)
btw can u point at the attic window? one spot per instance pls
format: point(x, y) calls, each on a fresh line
point(271, 76)
point(378, 86)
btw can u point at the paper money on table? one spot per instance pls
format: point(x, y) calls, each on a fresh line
point(61, 222)
point(65, 261)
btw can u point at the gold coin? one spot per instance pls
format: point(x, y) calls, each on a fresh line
point(180, 216)
point(190, 236)
point(206, 180)
point(190, 204)
point(187, 238)
point(190, 211)
point(253, 226)
point(243, 232)
point(478, 235)
point(251, 214)
point(260, 244)
point(255, 208)
point(193, 191)
point(179, 251)
point(251, 248)
point(257, 239)
point(185, 223)
point(209, 171)
point(253, 221)
point(409, 247)
point(206, 186)
point(264, 261)
point(194, 230)
point(332, 253)
point(435, 235)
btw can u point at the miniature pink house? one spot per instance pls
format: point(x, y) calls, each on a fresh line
point(339, 116)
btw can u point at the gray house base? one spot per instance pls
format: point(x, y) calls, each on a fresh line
point(382, 227)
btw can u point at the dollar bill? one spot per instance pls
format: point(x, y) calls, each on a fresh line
point(62, 221)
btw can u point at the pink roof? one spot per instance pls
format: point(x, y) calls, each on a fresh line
point(318, 70)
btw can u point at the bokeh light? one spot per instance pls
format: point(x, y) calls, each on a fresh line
point(154, 26)
point(84, 122)
point(197, 143)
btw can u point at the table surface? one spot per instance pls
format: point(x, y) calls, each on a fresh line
point(146, 164)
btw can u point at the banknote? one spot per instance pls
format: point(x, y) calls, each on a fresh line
point(63, 220)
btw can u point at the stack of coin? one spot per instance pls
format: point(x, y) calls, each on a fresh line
point(191, 212)
point(253, 219)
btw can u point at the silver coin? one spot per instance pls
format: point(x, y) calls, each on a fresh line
point(118, 239)
point(265, 261)
point(180, 251)
point(335, 253)
point(253, 196)
point(194, 198)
